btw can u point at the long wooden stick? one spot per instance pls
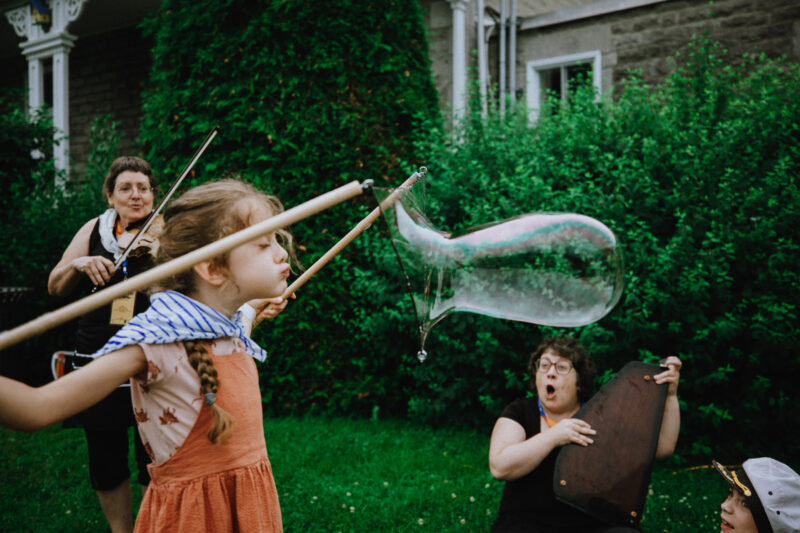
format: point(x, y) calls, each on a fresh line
point(352, 234)
point(177, 265)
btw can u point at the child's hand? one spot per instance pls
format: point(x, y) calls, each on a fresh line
point(671, 375)
point(268, 308)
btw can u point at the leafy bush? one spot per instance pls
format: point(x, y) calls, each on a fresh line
point(20, 140)
point(698, 178)
point(41, 212)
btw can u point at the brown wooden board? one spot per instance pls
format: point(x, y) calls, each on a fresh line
point(609, 479)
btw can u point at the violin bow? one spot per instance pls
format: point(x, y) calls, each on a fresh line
point(132, 245)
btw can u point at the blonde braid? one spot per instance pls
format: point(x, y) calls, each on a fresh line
point(202, 363)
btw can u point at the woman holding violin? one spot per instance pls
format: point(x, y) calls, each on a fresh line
point(89, 263)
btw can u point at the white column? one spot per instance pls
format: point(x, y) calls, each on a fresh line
point(61, 105)
point(512, 51)
point(56, 44)
point(502, 59)
point(35, 84)
point(459, 8)
point(483, 60)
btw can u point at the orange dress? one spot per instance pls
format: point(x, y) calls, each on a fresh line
point(218, 488)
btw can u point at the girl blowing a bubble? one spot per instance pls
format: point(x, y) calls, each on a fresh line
point(189, 359)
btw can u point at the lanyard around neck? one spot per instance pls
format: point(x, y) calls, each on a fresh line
point(550, 423)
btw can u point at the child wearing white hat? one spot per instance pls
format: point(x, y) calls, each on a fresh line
point(764, 497)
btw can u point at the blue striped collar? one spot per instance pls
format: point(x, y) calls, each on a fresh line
point(173, 317)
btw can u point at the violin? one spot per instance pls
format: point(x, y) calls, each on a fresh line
point(147, 243)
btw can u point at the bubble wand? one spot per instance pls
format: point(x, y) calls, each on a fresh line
point(353, 233)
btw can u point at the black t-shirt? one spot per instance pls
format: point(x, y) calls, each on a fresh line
point(528, 504)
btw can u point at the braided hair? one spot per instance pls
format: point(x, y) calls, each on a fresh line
point(199, 217)
point(202, 363)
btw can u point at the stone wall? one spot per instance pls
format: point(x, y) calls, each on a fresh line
point(644, 38)
point(439, 24)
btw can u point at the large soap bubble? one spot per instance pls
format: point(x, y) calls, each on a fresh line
point(554, 269)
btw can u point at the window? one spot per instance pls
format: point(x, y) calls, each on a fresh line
point(559, 75)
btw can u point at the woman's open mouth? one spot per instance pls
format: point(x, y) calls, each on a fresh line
point(726, 526)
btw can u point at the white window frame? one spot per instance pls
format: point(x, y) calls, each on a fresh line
point(533, 75)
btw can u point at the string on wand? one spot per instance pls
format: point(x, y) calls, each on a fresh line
point(353, 233)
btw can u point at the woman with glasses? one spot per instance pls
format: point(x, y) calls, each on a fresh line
point(88, 262)
point(529, 433)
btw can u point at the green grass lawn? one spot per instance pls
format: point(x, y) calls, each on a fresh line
point(334, 475)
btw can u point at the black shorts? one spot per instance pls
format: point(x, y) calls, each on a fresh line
point(108, 458)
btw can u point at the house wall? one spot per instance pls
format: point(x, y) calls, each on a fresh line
point(107, 70)
point(638, 38)
point(438, 21)
point(584, 36)
point(645, 38)
point(15, 72)
point(107, 75)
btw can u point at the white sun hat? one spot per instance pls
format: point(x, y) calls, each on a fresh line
point(778, 489)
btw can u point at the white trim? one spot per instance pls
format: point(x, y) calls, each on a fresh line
point(533, 79)
point(483, 59)
point(459, 55)
point(19, 18)
point(570, 14)
point(54, 44)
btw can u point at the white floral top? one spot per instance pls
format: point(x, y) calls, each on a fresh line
point(167, 403)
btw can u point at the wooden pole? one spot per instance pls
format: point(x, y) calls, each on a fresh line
point(352, 234)
point(177, 265)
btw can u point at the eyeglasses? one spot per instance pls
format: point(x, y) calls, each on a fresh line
point(127, 190)
point(562, 367)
